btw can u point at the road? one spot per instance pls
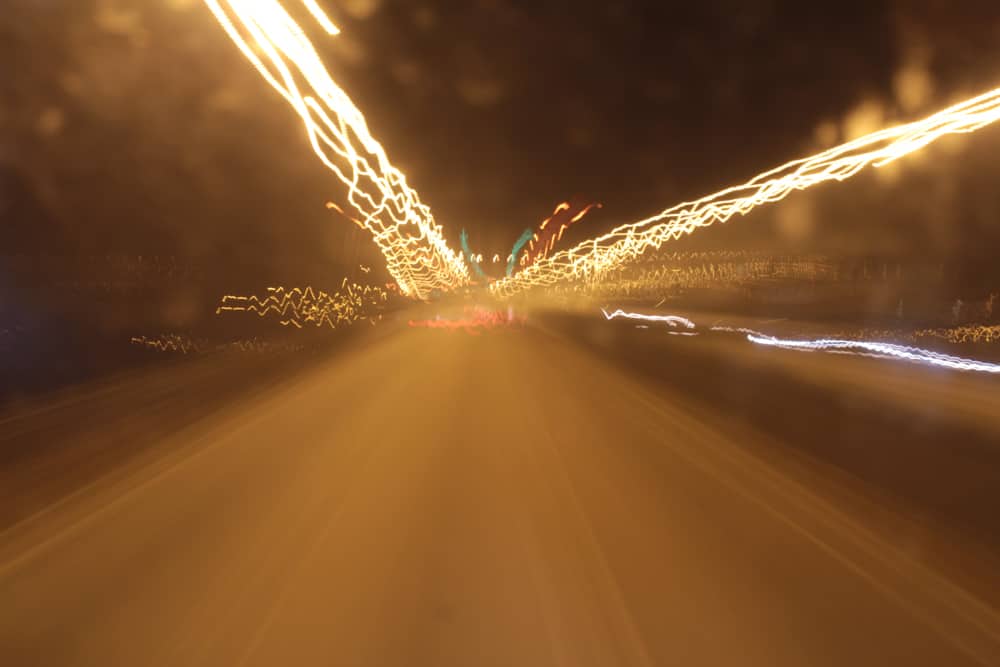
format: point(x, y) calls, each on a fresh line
point(439, 498)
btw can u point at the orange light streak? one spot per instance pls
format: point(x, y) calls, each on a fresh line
point(579, 216)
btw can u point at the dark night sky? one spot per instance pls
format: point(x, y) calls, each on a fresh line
point(134, 126)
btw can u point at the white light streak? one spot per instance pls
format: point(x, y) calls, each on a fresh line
point(672, 320)
point(870, 348)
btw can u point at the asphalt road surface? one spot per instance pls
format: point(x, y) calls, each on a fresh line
point(510, 498)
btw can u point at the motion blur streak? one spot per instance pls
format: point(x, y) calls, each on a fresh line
point(417, 256)
point(590, 259)
point(869, 348)
point(672, 320)
point(299, 306)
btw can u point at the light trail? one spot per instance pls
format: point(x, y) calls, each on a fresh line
point(526, 236)
point(983, 333)
point(181, 344)
point(886, 350)
point(834, 345)
point(672, 320)
point(321, 17)
point(867, 348)
point(470, 258)
point(589, 260)
point(542, 241)
point(417, 256)
point(168, 343)
point(297, 307)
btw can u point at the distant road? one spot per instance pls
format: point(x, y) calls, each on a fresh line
point(537, 497)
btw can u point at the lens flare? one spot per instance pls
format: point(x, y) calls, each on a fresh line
point(589, 260)
point(379, 198)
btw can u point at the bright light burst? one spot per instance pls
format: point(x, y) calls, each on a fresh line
point(588, 260)
point(416, 254)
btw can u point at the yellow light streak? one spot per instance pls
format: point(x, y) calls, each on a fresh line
point(297, 307)
point(417, 256)
point(862, 348)
point(182, 344)
point(589, 260)
point(982, 333)
point(562, 206)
